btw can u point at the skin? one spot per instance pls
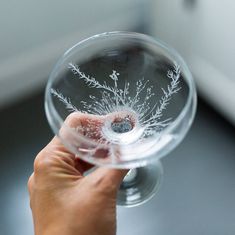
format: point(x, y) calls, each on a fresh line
point(64, 201)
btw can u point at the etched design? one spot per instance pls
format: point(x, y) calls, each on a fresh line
point(118, 100)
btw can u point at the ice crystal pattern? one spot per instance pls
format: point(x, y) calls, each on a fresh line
point(116, 99)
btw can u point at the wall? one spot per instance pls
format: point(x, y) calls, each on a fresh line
point(34, 34)
point(203, 32)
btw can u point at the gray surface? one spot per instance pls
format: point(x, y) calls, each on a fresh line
point(196, 197)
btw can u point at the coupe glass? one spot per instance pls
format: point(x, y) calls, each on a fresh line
point(122, 100)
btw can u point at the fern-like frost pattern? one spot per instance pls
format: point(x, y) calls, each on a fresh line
point(115, 99)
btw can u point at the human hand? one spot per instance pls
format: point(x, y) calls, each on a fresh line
point(64, 201)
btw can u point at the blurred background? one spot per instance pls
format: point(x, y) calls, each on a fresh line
point(198, 193)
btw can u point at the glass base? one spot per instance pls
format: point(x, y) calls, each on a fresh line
point(140, 185)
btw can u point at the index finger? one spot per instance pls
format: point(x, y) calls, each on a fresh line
point(59, 145)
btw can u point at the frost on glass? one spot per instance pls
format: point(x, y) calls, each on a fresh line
point(130, 113)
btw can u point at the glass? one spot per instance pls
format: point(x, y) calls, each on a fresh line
point(122, 100)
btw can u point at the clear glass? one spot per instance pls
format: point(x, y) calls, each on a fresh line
point(123, 100)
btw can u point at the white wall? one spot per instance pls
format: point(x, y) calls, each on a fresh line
point(204, 34)
point(33, 35)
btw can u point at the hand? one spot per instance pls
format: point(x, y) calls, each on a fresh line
point(64, 201)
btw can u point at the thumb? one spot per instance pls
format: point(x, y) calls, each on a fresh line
point(109, 178)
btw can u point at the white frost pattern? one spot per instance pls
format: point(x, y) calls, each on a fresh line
point(115, 99)
point(65, 100)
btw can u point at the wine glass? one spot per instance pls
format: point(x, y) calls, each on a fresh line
point(122, 100)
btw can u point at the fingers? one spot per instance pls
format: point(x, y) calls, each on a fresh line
point(30, 182)
point(55, 151)
point(88, 125)
point(78, 125)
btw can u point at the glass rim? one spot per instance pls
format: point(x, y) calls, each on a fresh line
point(191, 97)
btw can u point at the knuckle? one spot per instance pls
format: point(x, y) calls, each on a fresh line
point(30, 182)
point(42, 162)
point(73, 119)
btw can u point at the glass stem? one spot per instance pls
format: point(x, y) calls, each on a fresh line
point(130, 177)
point(140, 184)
